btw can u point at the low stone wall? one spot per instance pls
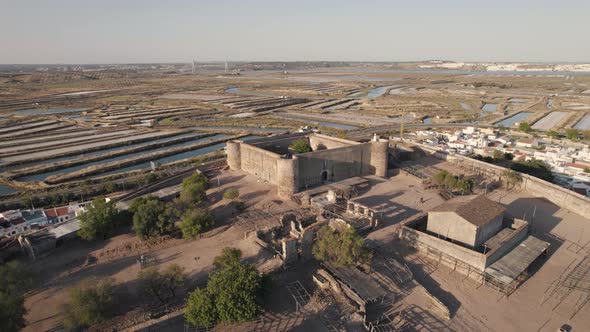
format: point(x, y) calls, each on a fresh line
point(468, 256)
point(558, 195)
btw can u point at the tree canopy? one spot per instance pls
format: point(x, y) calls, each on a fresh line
point(572, 133)
point(89, 303)
point(15, 280)
point(149, 217)
point(231, 294)
point(99, 220)
point(511, 178)
point(194, 222)
point(161, 285)
point(194, 189)
point(301, 146)
point(340, 247)
point(534, 167)
point(525, 126)
point(452, 182)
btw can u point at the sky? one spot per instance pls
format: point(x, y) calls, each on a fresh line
point(148, 31)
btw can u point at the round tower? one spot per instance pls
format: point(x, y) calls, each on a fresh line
point(287, 177)
point(379, 156)
point(234, 158)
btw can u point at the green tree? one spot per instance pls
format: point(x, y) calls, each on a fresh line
point(572, 133)
point(89, 303)
point(235, 289)
point(511, 178)
point(229, 256)
point(232, 293)
point(552, 133)
point(586, 170)
point(149, 217)
point(99, 219)
point(301, 146)
point(525, 127)
point(441, 177)
point(340, 247)
point(200, 309)
point(194, 189)
point(231, 193)
point(194, 222)
point(498, 155)
point(161, 285)
point(534, 167)
point(15, 280)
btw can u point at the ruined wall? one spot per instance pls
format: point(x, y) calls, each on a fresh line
point(451, 225)
point(259, 162)
point(339, 163)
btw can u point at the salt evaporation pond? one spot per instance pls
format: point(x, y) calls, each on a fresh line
point(268, 130)
point(377, 92)
point(4, 190)
point(321, 123)
point(36, 111)
point(184, 155)
point(583, 124)
point(489, 107)
point(513, 119)
point(43, 176)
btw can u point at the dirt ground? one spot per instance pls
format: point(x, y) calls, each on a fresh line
point(473, 307)
point(480, 308)
point(117, 256)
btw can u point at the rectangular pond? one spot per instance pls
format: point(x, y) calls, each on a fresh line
point(516, 118)
point(36, 111)
point(5, 190)
point(169, 159)
point(489, 107)
point(321, 123)
point(550, 120)
point(43, 176)
point(583, 124)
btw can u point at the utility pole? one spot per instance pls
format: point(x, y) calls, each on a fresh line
point(401, 128)
point(194, 68)
point(226, 66)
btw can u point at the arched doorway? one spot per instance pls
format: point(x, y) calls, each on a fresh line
point(324, 176)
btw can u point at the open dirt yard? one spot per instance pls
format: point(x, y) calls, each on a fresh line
point(117, 257)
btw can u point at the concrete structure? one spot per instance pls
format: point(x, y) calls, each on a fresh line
point(331, 159)
point(498, 259)
point(468, 220)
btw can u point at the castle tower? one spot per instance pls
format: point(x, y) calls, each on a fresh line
point(234, 155)
point(379, 156)
point(288, 177)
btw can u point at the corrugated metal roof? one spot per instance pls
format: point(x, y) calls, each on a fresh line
point(362, 284)
point(509, 267)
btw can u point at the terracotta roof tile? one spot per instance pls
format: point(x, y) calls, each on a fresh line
point(478, 210)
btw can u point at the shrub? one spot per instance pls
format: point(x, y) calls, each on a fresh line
point(231, 193)
point(89, 303)
point(194, 222)
point(301, 146)
point(340, 248)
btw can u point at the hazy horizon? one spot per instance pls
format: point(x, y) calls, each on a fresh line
point(176, 31)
